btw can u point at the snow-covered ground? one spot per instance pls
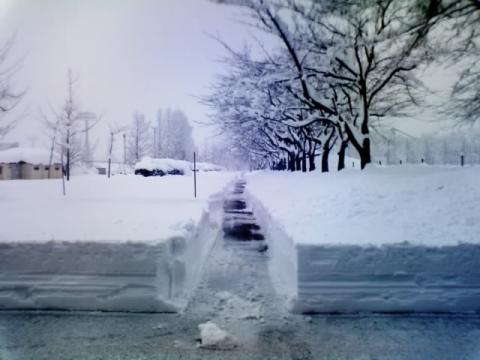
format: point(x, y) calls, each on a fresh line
point(124, 243)
point(400, 238)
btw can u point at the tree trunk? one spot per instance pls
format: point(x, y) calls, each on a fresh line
point(362, 149)
point(365, 156)
point(291, 162)
point(341, 155)
point(298, 163)
point(304, 162)
point(67, 167)
point(311, 162)
point(325, 154)
point(68, 156)
point(110, 150)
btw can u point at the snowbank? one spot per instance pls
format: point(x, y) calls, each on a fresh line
point(203, 166)
point(122, 244)
point(163, 166)
point(387, 239)
point(214, 338)
point(160, 167)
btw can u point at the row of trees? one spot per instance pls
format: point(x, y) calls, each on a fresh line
point(341, 69)
point(68, 127)
point(171, 137)
point(9, 96)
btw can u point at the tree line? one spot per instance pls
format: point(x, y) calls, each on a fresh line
point(68, 127)
point(342, 68)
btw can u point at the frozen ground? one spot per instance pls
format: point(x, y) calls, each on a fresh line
point(236, 294)
point(30, 336)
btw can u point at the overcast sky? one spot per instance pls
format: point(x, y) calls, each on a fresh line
point(128, 55)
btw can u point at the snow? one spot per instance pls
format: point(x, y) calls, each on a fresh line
point(416, 204)
point(165, 165)
point(212, 337)
point(203, 166)
point(169, 165)
point(127, 243)
point(120, 209)
point(390, 239)
point(28, 155)
point(232, 305)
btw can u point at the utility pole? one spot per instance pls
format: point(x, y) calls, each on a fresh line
point(124, 148)
point(87, 117)
point(194, 175)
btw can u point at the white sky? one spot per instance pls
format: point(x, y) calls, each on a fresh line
point(128, 55)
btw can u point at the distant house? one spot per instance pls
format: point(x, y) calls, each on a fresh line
point(27, 163)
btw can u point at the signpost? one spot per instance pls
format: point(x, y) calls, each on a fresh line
point(194, 175)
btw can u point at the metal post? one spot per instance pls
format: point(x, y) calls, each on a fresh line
point(63, 174)
point(124, 148)
point(194, 175)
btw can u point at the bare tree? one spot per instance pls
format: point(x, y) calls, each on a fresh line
point(113, 131)
point(65, 129)
point(9, 97)
point(453, 26)
point(139, 144)
point(344, 66)
point(174, 132)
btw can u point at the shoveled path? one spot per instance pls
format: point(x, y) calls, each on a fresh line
point(236, 293)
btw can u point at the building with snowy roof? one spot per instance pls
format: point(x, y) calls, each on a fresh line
point(28, 163)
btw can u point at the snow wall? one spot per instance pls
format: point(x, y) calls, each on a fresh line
point(393, 278)
point(128, 276)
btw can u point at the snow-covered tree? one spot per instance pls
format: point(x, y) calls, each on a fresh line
point(66, 129)
point(9, 96)
point(113, 131)
point(139, 142)
point(174, 135)
point(342, 68)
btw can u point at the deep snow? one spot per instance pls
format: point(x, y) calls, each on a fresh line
point(422, 205)
point(124, 244)
point(120, 209)
point(29, 155)
point(394, 239)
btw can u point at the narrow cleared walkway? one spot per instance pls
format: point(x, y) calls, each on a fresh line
point(236, 292)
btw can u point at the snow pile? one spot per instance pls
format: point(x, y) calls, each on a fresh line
point(29, 155)
point(122, 244)
point(214, 338)
point(387, 239)
point(203, 166)
point(160, 167)
point(163, 166)
point(231, 305)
